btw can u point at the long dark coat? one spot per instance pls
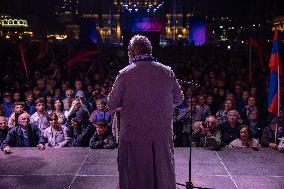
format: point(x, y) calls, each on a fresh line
point(146, 92)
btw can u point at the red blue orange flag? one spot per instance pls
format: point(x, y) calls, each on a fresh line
point(274, 83)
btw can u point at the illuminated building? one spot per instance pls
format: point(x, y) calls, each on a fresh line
point(278, 23)
point(115, 18)
point(13, 28)
point(67, 12)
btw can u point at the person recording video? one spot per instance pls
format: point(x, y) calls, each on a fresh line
point(206, 134)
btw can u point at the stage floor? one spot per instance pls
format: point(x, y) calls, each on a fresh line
point(28, 168)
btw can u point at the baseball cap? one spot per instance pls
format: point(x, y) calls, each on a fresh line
point(80, 94)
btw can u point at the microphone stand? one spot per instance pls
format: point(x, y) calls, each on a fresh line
point(189, 184)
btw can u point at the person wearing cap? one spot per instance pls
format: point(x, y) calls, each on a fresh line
point(146, 92)
point(80, 95)
point(8, 104)
point(79, 131)
point(268, 138)
point(79, 127)
point(78, 109)
point(102, 138)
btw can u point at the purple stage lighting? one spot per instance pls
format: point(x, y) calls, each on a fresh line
point(197, 33)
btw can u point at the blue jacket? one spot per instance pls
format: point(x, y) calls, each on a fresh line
point(9, 108)
point(30, 108)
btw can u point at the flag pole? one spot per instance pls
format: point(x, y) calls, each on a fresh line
point(250, 75)
point(278, 92)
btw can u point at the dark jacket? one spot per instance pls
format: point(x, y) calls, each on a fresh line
point(3, 135)
point(228, 133)
point(15, 137)
point(97, 141)
point(30, 108)
point(256, 129)
point(9, 108)
point(269, 136)
point(211, 139)
point(80, 137)
point(82, 116)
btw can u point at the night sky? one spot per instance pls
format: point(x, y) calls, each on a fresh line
point(244, 10)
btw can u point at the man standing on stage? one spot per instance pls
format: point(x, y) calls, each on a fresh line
point(146, 91)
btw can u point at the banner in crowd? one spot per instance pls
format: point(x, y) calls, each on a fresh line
point(82, 56)
point(24, 59)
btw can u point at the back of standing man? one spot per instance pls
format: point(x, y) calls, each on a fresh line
point(146, 91)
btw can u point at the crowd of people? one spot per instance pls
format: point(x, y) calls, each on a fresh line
point(224, 103)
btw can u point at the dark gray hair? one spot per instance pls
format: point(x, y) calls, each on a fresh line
point(140, 43)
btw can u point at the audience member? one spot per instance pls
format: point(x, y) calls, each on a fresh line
point(56, 134)
point(17, 97)
point(221, 115)
point(207, 134)
point(101, 113)
point(272, 134)
point(3, 129)
point(18, 109)
point(245, 139)
point(230, 129)
point(202, 107)
point(29, 104)
point(189, 116)
point(39, 118)
point(250, 107)
point(255, 125)
point(102, 138)
point(59, 111)
point(8, 104)
point(80, 133)
point(68, 100)
point(23, 135)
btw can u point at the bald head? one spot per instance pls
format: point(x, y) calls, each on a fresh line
point(211, 122)
point(24, 119)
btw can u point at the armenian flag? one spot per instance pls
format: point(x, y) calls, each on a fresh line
point(274, 83)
